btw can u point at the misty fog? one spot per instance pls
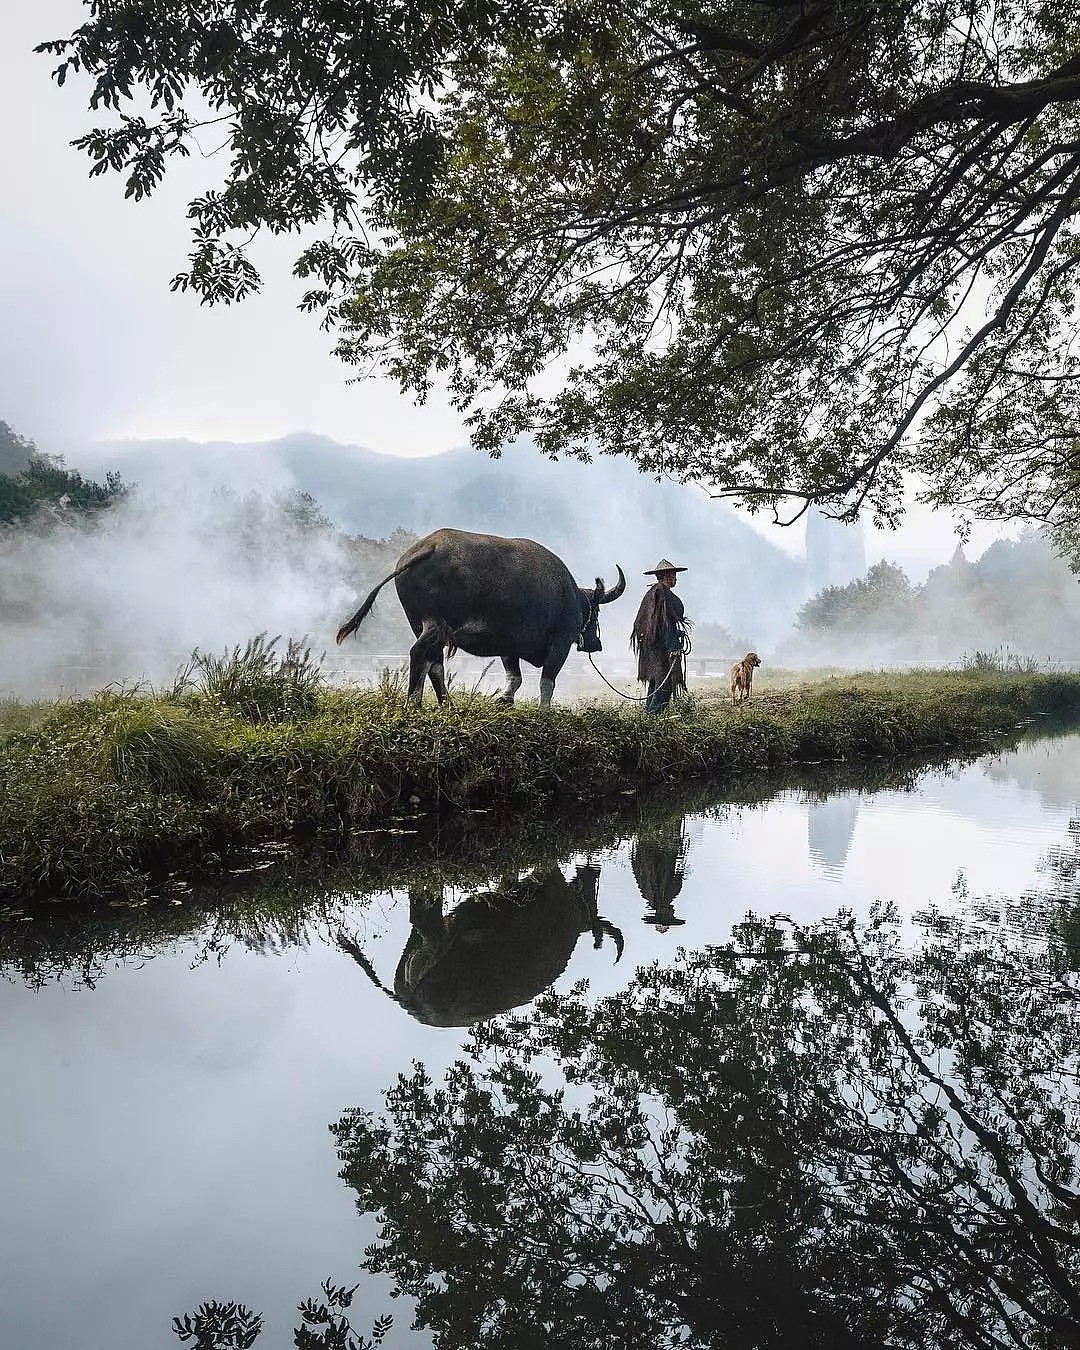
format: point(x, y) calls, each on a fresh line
point(127, 594)
point(196, 555)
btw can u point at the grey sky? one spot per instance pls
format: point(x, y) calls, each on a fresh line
point(93, 344)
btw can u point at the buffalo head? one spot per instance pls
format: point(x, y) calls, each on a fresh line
point(589, 637)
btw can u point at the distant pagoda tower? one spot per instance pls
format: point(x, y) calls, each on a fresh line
point(835, 553)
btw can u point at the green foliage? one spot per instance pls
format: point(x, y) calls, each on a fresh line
point(883, 599)
point(324, 1325)
point(18, 716)
point(752, 231)
point(219, 1326)
point(160, 746)
point(806, 1136)
point(257, 682)
point(16, 451)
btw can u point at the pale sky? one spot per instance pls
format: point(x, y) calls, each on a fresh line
point(93, 345)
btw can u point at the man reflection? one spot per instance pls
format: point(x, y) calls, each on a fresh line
point(658, 862)
point(494, 951)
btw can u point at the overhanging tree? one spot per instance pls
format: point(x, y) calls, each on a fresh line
point(789, 249)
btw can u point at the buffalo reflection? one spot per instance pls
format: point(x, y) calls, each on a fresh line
point(495, 950)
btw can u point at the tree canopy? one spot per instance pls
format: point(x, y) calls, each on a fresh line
point(807, 1136)
point(790, 249)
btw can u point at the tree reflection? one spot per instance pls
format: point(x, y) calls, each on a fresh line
point(1063, 865)
point(808, 1137)
point(1045, 916)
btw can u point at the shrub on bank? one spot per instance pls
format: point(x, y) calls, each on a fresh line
point(108, 793)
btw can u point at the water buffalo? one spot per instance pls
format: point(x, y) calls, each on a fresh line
point(494, 951)
point(510, 598)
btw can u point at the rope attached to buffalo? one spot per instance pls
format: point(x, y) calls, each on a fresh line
point(684, 650)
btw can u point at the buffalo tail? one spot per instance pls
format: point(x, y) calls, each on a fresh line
point(365, 609)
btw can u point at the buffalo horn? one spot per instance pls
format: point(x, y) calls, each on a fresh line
point(616, 590)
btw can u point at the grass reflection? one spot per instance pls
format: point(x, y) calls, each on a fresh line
point(275, 900)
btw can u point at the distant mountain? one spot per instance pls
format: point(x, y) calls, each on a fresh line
point(15, 450)
point(593, 515)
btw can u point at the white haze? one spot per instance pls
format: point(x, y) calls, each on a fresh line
point(195, 557)
point(129, 593)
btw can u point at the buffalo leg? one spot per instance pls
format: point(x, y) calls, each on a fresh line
point(426, 914)
point(549, 672)
point(512, 666)
point(425, 652)
point(437, 676)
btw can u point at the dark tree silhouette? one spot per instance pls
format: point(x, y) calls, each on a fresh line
point(31, 481)
point(787, 248)
point(324, 1324)
point(806, 1137)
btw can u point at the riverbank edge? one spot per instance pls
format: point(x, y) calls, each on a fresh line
point(109, 795)
point(276, 896)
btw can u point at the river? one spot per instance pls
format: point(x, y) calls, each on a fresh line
point(180, 1099)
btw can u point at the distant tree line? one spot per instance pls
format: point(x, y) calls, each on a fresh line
point(1019, 596)
point(32, 482)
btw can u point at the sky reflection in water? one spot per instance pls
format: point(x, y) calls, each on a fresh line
point(165, 1138)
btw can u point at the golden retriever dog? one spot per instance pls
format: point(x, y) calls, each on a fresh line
point(742, 675)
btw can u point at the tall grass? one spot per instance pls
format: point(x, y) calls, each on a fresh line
point(18, 716)
point(256, 681)
point(1001, 661)
point(159, 745)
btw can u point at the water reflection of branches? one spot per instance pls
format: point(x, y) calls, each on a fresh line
point(807, 1137)
point(1045, 916)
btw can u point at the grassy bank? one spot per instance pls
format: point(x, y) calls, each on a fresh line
point(105, 796)
point(280, 896)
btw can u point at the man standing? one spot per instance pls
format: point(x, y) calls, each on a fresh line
point(659, 638)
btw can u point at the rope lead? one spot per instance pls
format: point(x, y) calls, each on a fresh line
point(684, 650)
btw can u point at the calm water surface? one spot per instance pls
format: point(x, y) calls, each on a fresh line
point(166, 1131)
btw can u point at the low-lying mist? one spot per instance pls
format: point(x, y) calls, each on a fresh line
point(127, 594)
point(125, 591)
